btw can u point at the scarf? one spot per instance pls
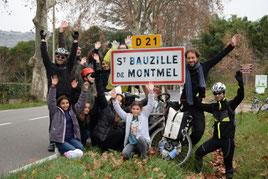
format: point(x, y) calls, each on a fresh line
point(188, 84)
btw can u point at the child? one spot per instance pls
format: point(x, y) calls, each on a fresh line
point(64, 131)
point(84, 122)
point(137, 139)
point(224, 127)
point(83, 117)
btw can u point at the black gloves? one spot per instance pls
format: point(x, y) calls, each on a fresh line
point(42, 35)
point(75, 35)
point(239, 77)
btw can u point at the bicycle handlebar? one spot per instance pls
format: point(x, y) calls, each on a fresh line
point(164, 94)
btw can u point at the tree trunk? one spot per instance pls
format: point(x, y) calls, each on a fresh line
point(39, 79)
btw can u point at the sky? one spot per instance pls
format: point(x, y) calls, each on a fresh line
point(21, 17)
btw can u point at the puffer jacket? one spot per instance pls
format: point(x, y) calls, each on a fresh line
point(103, 122)
point(58, 125)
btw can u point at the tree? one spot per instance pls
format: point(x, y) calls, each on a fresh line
point(176, 20)
point(39, 80)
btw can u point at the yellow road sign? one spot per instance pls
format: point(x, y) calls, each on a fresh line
point(146, 41)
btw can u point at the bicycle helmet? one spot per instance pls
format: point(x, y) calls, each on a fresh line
point(61, 51)
point(86, 71)
point(220, 87)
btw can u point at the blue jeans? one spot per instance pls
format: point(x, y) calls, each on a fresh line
point(85, 134)
point(71, 144)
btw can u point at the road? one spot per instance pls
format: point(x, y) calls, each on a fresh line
point(23, 137)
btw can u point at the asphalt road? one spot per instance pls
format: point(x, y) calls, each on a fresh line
point(23, 137)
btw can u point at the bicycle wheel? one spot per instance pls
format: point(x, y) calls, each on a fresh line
point(256, 107)
point(185, 150)
point(157, 136)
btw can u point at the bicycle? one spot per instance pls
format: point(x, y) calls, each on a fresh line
point(178, 149)
point(258, 105)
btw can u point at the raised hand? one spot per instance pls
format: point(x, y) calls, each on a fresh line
point(128, 40)
point(54, 80)
point(113, 93)
point(150, 87)
point(75, 35)
point(115, 43)
point(63, 25)
point(42, 35)
point(86, 84)
point(83, 60)
point(74, 83)
point(235, 39)
point(96, 57)
point(239, 76)
point(97, 45)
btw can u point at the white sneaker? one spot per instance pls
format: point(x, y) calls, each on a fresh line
point(88, 142)
point(57, 152)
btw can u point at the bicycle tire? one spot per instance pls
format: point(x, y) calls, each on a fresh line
point(186, 148)
point(157, 136)
point(185, 154)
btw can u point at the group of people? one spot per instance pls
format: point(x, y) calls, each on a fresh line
point(80, 112)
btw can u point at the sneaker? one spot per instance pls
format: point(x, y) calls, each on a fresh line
point(71, 154)
point(51, 147)
point(57, 152)
point(88, 142)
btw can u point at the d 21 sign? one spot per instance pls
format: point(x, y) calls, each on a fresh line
point(139, 66)
point(146, 41)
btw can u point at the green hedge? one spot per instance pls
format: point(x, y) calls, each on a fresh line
point(15, 91)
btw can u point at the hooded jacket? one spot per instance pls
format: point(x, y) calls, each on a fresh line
point(58, 124)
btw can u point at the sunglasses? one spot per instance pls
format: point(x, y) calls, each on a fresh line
point(219, 93)
point(59, 56)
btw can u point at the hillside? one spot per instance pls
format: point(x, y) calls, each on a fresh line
point(11, 38)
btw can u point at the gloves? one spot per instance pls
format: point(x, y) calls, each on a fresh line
point(239, 78)
point(116, 44)
point(42, 35)
point(75, 35)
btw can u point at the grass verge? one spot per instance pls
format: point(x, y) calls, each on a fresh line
point(22, 105)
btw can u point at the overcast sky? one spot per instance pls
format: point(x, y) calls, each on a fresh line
point(21, 17)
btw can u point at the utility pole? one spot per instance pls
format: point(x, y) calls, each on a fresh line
point(53, 37)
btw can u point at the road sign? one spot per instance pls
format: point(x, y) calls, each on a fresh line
point(246, 68)
point(139, 66)
point(146, 41)
point(261, 81)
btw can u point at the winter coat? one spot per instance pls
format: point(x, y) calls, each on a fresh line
point(58, 124)
point(62, 71)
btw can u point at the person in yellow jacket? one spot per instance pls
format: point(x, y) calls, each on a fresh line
point(116, 45)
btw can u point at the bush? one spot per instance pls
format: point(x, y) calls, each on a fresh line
point(15, 91)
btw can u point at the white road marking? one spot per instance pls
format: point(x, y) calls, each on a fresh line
point(38, 118)
point(3, 124)
point(34, 163)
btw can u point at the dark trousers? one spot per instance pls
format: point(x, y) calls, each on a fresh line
point(198, 122)
point(227, 146)
point(114, 140)
point(85, 134)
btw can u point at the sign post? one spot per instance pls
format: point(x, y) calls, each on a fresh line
point(246, 69)
point(139, 66)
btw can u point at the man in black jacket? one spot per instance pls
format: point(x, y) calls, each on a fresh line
point(62, 68)
point(224, 126)
point(196, 74)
